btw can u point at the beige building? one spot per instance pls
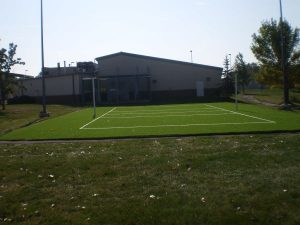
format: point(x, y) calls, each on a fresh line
point(62, 86)
point(157, 78)
point(127, 78)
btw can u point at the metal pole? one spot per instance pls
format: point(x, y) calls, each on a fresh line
point(191, 56)
point(236, 91)
point(44, 112)
point(73, 86)
point(235, 84)
point(283, 63)
point(94, 97)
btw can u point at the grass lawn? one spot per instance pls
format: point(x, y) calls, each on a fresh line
point(251, 179)
point(183, 119)
point(274, 96)
point(16, 116)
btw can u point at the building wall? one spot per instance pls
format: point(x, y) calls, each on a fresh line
point(169, 79)
point(166, 75)
point(55, 86)
point(54, 71)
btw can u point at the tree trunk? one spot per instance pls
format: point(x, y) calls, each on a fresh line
point(3, 100)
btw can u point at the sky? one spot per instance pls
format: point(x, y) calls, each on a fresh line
point(83, 30)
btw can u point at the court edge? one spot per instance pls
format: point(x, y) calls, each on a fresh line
point(84, 127)
point(147, 137)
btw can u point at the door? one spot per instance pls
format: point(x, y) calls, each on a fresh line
point(200, 88)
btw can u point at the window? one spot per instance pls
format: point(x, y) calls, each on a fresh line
point(208, 79)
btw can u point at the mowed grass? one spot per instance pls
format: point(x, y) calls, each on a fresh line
point(273, 95)
point(251, 179)
point(163, 120)
point(16, 116)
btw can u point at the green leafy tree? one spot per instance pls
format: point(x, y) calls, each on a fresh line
point(253, 69)
point(228, 87)
point(296, 70)
point(226, 69)
point(266, 47)
point(243, 72)
point(7, 80)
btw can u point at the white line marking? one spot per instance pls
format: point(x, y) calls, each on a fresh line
point(83, 127)
point(175, 125)
point(163, 112)
point(153, 116)
point(168, 106)
point(242, 114)
point(178, 125)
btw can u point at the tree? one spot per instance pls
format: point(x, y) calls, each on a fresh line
point(7, 80)
point(228, 86)
point(266, 47)
point(226, 69)
point(242, 70)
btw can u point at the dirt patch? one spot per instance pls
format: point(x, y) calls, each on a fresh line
point(253, 100)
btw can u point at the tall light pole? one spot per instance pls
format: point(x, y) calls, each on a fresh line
point(73, 85)
point(43, 113)
point(191, 56)
point(22, 78)
point(94, 93)
point(283, 62)
point(235, 84)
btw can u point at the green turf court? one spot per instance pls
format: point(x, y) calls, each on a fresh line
point(160, 120)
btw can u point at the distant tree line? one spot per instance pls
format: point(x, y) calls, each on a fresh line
point(266, 47)
point(8, 82)
point(245, 72)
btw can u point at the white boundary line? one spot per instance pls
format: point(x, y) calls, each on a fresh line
point(174, 125)
point(163, 112)
point(154, 116)
point(178, 125)
point(254, 117)
point(83, 127)
point(166, 110)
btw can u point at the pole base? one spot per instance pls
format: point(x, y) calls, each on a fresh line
point(44, 114)
point(286, 107)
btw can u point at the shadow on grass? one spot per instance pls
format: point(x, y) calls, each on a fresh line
point(257, 94)
point(2, 112)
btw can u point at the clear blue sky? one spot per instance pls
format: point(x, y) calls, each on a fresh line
point(82, 30)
